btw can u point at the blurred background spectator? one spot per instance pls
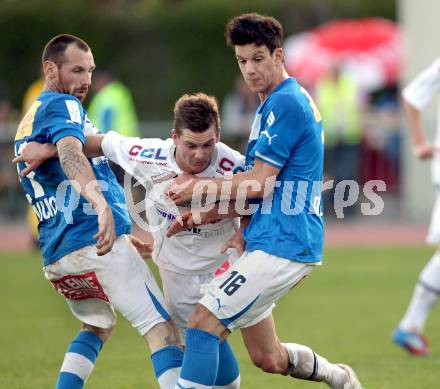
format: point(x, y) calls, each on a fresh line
point(31, 94)
point(112, 106)
point(5, 112)
point(340, 102)
point(237, 112)
point(8, 176)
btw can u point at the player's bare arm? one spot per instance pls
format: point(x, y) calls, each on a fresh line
point(77, 168)
point(254, 183)
point(421, 147)
point(92, 147)
point(34, 153)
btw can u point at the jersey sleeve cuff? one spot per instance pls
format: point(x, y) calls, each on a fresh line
point(107, 145)
point(268, 160)
point(72, 132)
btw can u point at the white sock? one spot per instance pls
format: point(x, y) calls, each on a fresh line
point(232, 385)
point(307, 365)
point(424, 297)
point(168, 379)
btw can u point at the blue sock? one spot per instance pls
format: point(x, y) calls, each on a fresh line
point(200, 362)
point(166, 363)
point(228, 370)
point(79, 361)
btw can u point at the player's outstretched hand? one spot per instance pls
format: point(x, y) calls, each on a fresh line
point(106, 235)
point(144, 249)
point(34, 154)
point(424, 151)
point(181, 190)
point(236, 241)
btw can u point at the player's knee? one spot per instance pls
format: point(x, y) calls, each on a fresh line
point(267, 362)
point(201, 318)
point(162, 335)
point(103, 333)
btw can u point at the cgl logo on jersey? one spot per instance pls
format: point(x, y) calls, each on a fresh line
point(150, 153)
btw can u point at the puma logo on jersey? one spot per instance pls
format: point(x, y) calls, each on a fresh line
point(220, 305)
point(265, 132)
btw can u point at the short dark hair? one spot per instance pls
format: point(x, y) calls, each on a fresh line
point(196, 112)
point(56, 47)
point(254, 28)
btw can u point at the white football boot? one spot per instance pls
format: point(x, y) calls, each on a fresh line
point(352, 380)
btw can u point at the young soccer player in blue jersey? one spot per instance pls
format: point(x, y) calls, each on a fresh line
point(284, 239)
point(80, 205)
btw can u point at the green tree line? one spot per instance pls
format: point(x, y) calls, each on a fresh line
point(160, 49)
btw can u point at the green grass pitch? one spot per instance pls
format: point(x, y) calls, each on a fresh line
point(345, 310)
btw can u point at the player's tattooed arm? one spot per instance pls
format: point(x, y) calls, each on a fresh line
point(72, 159)
point(34, 153)
point(92, 147)
point(80, 173)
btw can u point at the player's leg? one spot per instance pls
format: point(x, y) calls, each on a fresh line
point(227, 298)
point(425, 295)
point(298, 361)
point(243, 298)
point(81, 356)
point(75, 277)
point(182, 293)
point(166, 353)
point(133, 291)
point(228, 372)
point(202, 346)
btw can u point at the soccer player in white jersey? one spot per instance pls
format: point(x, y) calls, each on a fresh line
point(191, 258)
point(188, 260)
point(83, 230)
point(409, 333)
point(284, 239)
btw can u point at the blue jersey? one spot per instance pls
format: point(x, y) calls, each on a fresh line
point(287, 134)
point(66, 221)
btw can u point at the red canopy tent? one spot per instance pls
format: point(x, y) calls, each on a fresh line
point(370, 49)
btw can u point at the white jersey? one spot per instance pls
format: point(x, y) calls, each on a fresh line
point(418, 93)
point(152, 163)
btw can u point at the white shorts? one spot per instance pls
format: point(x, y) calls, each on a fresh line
point(433, 237)
point(182, 293)
point(94, 285)
point(245, 294)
